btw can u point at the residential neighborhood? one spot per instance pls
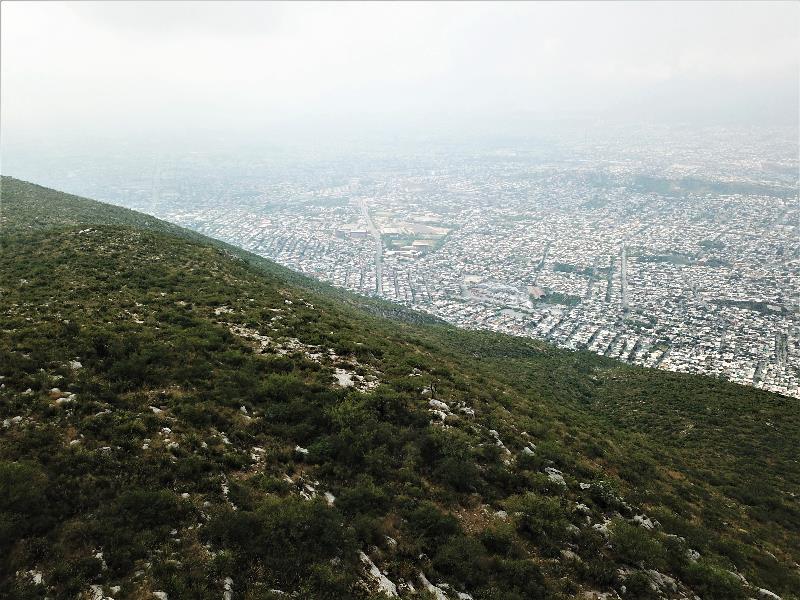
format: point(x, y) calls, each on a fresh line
point(686, 260)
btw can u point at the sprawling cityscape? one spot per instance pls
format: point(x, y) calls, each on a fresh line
point(678, 250)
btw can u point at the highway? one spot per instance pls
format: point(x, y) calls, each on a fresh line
point(378, 248)
point(623, 276)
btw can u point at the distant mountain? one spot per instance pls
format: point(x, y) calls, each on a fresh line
point(182, 419)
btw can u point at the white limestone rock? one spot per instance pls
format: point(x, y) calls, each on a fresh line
point(437, 591)
point(765, 594)
point(385, 584)
point(644, 521)
point(555, 476)
point(227, 594)
point(438, 404)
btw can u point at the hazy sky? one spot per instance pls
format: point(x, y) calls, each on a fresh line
point(77, 67)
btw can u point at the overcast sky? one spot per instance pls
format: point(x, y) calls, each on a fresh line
point(122, 67)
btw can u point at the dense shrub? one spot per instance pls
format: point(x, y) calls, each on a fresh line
point(713, 582)
point(636, 545)
point(539, 518)
point(288, 536)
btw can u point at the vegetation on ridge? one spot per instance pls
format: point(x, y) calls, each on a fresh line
point(185, 418)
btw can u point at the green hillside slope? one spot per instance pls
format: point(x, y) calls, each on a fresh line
point(182, 417)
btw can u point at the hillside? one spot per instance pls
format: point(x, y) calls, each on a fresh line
point(182, 419)
point(31, 207)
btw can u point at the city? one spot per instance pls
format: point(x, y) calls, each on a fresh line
point(686, 259)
